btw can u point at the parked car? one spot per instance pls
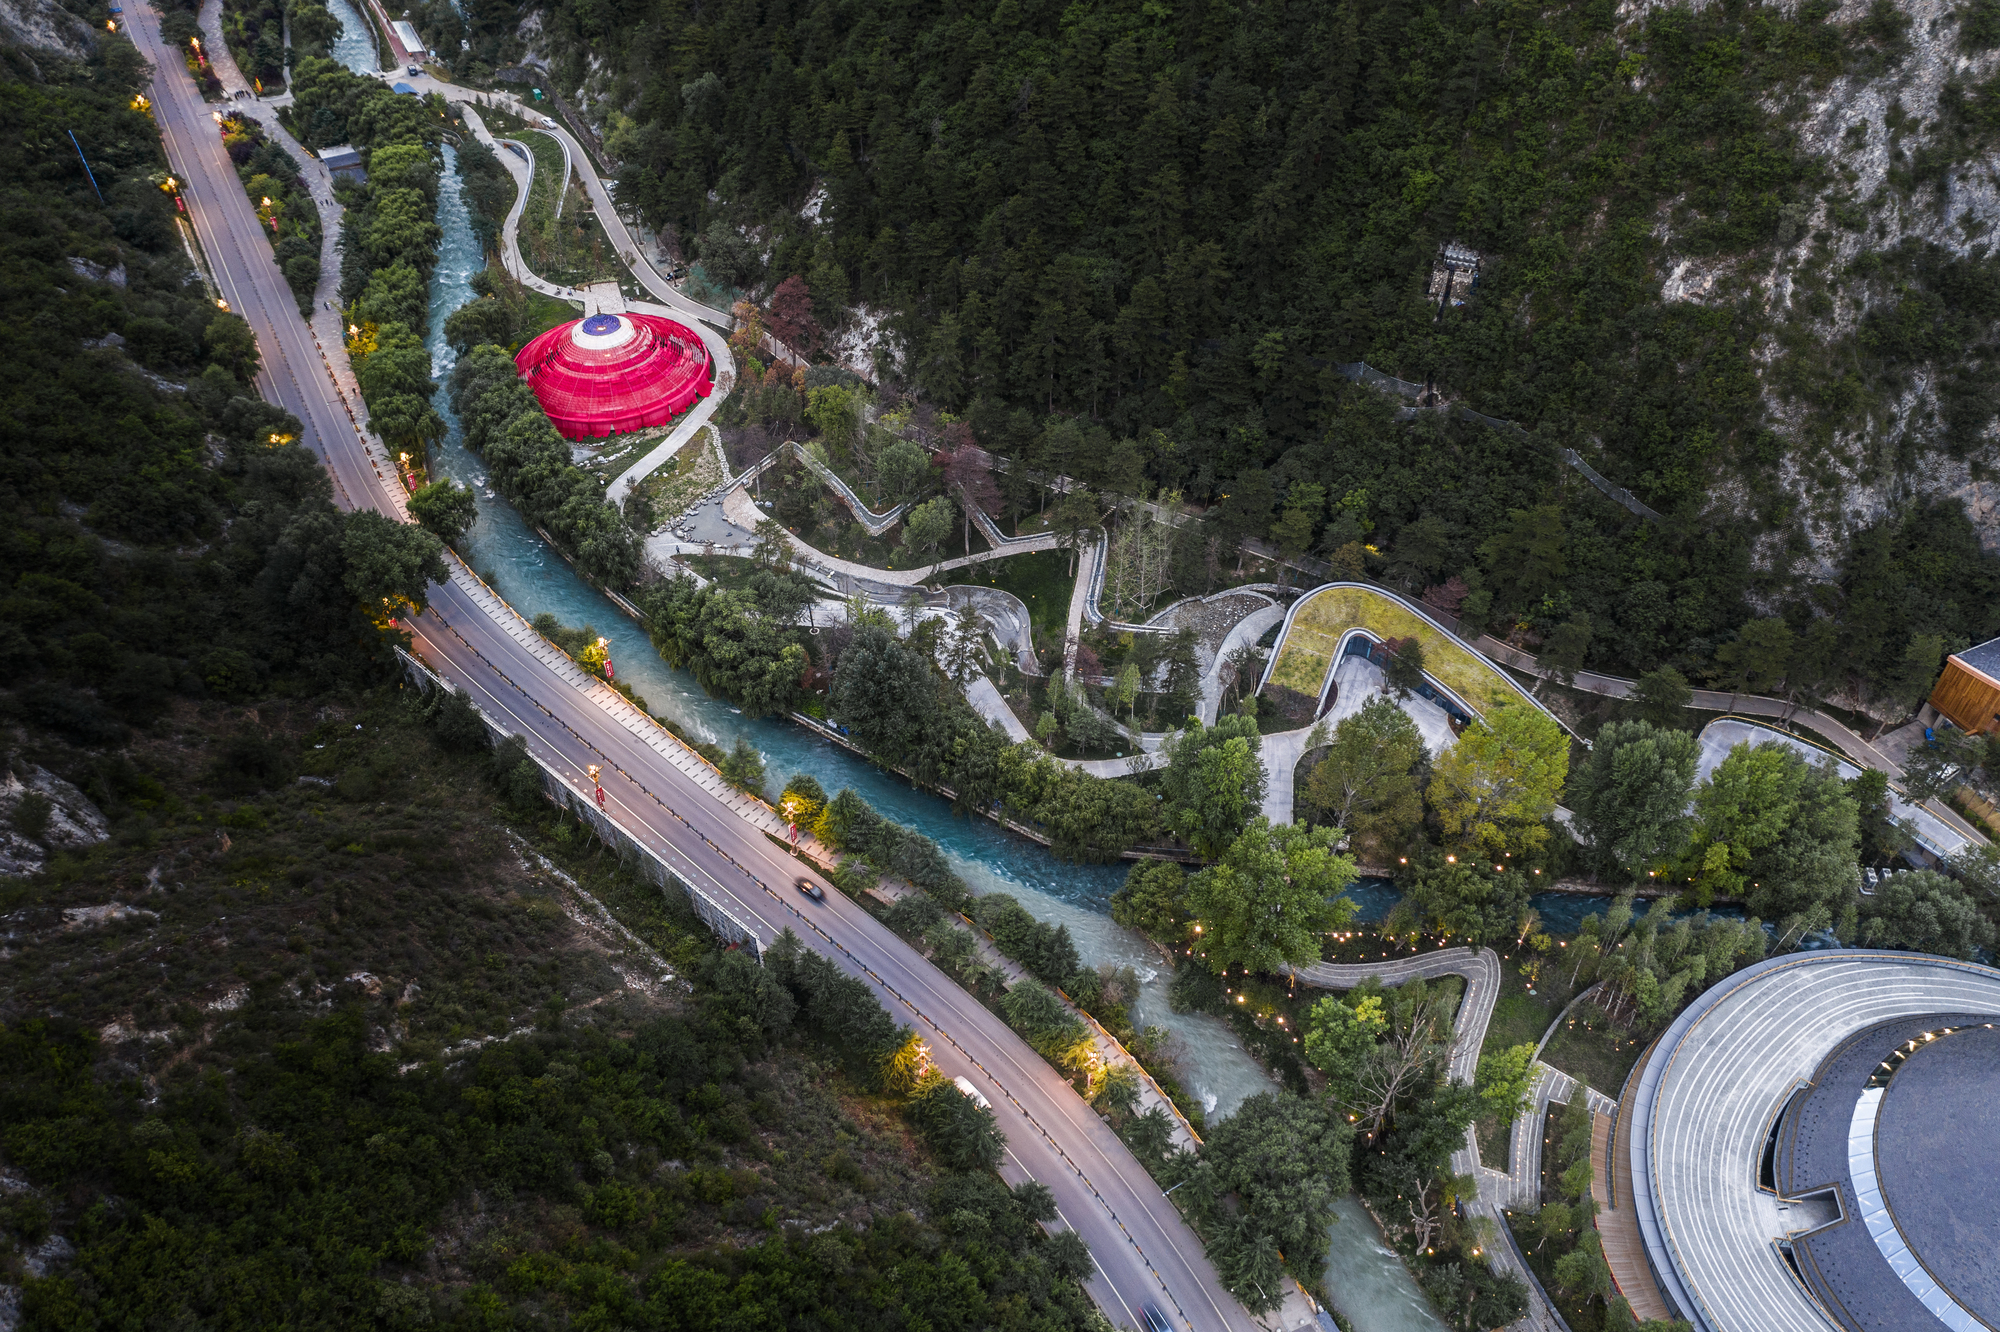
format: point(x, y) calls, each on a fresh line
point(413, 69)
point(811, 889)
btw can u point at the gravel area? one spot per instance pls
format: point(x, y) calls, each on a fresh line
point(1211, 620)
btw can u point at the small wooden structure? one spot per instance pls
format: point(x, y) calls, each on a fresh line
point(1968, 693)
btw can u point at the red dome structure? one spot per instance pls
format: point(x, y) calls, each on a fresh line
point(611, 373)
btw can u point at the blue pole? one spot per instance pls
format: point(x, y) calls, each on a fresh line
point(86, 163)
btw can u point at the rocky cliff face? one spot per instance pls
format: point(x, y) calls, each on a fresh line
point(1895, 168)
point(40, 814)
point(44, 28)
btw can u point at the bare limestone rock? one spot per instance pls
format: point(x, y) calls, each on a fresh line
point(72, 822)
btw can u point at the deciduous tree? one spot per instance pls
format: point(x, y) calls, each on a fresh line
point(1153, 900)
point(445, 508)
point(1267, 1179)
point(1495, 788)
point(389, 563)
point(1925, 911)
point(1340, 1038)
point(926, 527)
point(1213, 783)
point(1504, 1080)
point(1631, 798)
point(1271, 897)
point(1367, 782)
point(1663, 696)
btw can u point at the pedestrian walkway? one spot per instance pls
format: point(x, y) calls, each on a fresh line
point(329, 335)
point(1863, 752)
point(1082, 602)
point(1618, 1222)
point(519, 161)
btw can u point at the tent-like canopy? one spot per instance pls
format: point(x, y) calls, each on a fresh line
point(612, 373)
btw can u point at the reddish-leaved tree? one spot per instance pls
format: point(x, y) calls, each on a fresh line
point(1449, 595)
point(969, 472)
point(790, 316)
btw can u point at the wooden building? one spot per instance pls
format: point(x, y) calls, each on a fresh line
point(1968, 693)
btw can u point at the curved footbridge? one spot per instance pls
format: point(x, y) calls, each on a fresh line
point(1481, 970)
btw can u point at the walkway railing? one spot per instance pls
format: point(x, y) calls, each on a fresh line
point(1425, 396)
point(873, 523)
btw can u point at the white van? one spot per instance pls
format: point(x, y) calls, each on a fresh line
point(972, 1093)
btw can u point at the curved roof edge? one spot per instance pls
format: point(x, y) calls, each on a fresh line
point(1659, 1253)
point(1421, 613)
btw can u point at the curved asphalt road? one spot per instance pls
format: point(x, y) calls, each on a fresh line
point(1143, 1251)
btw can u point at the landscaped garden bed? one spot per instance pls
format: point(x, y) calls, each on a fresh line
point(1309, 646)
point(668, 490)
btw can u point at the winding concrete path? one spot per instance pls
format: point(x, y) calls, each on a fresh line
point(1481, 970)
point(671, 304)
point(1142, 1251)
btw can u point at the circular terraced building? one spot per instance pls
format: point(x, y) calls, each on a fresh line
point(1814, 1146)
point(615, 372)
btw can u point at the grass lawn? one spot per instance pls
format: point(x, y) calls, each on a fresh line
point(572, 249)
point(810, 509)
point(1042, 579)
point(1309, 646)
point(501, 122)
point(1519, 1018)
point(619, 452)
point(1598, 1056)
point(544, 313)
point(733, 571)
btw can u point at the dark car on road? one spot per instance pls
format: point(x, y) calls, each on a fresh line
point(812, 890)
point(1156, 1321)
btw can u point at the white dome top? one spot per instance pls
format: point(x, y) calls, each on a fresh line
point(602, 332)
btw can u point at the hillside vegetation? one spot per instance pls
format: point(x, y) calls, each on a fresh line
point(1134, 242)
point(314, 1011)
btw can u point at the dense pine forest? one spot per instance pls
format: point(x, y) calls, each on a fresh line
point(1133, 243)
point(313, 1011)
